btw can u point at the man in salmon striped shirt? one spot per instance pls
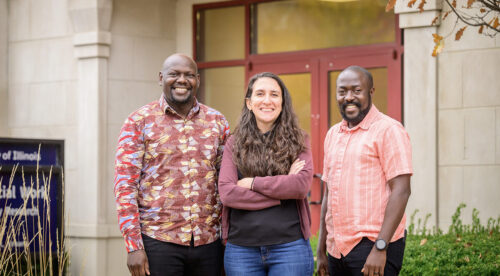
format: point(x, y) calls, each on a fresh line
point(367, 165)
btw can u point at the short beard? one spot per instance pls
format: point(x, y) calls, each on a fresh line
point(183, 101)
point(362, 113)
point(173, 100)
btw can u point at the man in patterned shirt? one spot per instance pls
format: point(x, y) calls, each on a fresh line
point(367, 166)
point(166, 168)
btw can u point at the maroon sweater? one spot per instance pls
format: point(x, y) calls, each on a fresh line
point(267, 191)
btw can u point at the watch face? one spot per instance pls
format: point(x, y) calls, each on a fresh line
point(380, 244)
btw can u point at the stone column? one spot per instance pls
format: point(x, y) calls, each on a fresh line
point(420, 104)
point(87, 214)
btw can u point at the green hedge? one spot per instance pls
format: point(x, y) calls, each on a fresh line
point(465, 250)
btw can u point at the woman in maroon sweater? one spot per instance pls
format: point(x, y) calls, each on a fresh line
point(265, 176)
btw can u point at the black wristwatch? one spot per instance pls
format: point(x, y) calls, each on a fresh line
point(381, 244)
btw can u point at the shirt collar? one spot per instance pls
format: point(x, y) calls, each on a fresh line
point(364, 124)
point(166, 107)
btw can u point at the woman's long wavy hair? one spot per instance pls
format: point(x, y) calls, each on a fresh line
point(256, 154)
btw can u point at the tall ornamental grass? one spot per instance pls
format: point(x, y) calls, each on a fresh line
point(17, 259)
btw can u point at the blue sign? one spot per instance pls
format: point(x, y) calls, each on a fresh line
point(27, 154)
point(27, 217)
point(31, 195)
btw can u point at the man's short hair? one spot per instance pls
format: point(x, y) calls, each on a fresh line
point(365, 72)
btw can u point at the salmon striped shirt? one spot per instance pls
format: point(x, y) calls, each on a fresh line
point(358, 163)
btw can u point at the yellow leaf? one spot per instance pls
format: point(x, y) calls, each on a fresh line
point(445, 15)
point(411, 3)
point(482, 10)
point(459, 33)
point(390, 5)
point(437, 38)
point(439, 44)
point(454, 3)
point(421, 6)
point(469, 3)
point(481, 29)
point(435, 20)
point(495, 24)
point(423, 241)
point(466, 258)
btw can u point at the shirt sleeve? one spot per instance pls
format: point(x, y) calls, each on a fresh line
point(395, 152)
point(234, 196)
point(326, 154)
point(224, 134)
point(128, 165)
point(293, 186)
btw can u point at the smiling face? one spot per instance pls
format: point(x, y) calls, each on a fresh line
point(353, 96)
point(180, 81)
point(265, 102)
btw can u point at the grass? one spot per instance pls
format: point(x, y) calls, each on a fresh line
point(17, 259)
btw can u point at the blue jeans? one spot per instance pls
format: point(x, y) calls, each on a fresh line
point(290, 259)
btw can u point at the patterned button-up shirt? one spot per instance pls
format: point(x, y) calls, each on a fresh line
point(358, 163)
point(166, 175)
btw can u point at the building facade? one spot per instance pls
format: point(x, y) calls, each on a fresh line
point(74, 70)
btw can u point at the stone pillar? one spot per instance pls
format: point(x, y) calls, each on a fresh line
point(420, 104)
point(88, 231)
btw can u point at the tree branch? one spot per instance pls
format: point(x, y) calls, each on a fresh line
point(465, 20)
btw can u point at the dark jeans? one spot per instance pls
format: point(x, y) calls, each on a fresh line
point(172, 259)
point(352, 263)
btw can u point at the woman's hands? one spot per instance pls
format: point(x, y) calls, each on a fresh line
point(297, 166)
point(245, 182)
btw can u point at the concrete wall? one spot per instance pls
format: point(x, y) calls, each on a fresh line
point(420, 118)
point(4, 27)
point(42, 76)
point(452, 114)
point(469, 124)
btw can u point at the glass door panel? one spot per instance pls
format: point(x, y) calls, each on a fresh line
point(283, 26)
point(214, 32)
point(379, 96)
point(224, 89)
point(299, 86)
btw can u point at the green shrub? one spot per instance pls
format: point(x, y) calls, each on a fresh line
point(465, 250)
